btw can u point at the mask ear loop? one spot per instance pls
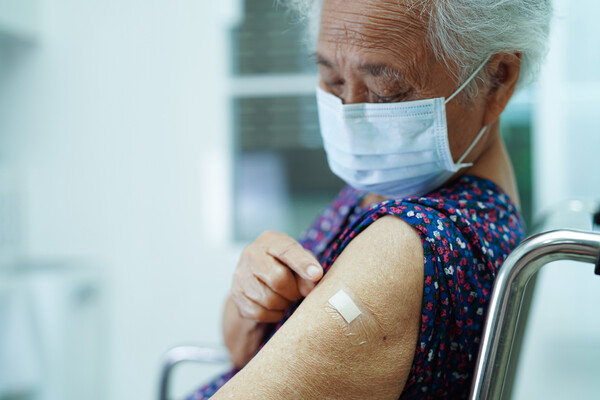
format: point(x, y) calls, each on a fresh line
point(466, 153)
point(469, 79)
point(484, 129)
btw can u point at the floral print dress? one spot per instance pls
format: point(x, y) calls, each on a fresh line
point(467, 228)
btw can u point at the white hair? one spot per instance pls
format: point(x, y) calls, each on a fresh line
point(464, 33)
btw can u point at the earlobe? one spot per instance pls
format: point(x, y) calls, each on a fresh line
point(504, 76)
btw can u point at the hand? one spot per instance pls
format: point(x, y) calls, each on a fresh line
point(272, 273)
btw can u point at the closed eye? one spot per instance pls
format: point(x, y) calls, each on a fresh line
point(387, 99)
point(333, 83)
point(393, 98)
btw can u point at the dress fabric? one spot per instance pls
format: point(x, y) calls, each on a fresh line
point(467, 228)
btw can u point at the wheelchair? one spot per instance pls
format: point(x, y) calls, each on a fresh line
point(494, 375)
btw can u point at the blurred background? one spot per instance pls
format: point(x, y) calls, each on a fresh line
point(144, 143)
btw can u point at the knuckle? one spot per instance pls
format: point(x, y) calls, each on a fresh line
point(248, 312)
point(289, 248)
point(237, 274)
point(236, 297)
point(279, 279)
point(271, 302)
point(246, 255)
point(233, 290)
point(261, 314)
point(248, 264)
point(244, 313)
point(295, 255)
point(239, 305)
point(237, 279)
point(267, 235)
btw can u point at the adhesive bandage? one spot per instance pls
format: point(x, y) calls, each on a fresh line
point(344, 305)
point(351, 315)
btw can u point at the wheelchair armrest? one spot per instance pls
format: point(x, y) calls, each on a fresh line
point(180, 354)
point(507, 295)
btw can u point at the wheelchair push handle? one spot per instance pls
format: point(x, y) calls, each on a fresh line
point(527, 259)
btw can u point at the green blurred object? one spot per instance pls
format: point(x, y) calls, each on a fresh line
point(517, 137)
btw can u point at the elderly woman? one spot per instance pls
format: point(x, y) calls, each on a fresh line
point(410, 97)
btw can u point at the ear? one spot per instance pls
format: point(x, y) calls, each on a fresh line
point(504, 74)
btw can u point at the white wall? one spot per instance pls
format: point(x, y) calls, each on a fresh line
point(562, 342)
point(566, 134)
point(116, 124)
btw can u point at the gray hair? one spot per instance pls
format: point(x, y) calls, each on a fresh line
point(464, 33)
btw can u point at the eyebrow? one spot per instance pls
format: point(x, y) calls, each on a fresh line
point(377, 70)
point(382, 70)
point(320, 60)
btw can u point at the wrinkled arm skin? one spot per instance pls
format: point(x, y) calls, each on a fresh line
point(310, 358)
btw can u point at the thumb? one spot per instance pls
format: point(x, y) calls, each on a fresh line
point(315, 272)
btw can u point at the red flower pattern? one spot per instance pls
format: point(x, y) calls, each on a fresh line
point(480, 226)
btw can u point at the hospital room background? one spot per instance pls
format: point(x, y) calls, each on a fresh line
point(144, 143)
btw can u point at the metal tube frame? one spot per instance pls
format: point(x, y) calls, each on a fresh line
point(177, 355)
point(503, 313)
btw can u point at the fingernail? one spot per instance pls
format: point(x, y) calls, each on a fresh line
point(313, 271)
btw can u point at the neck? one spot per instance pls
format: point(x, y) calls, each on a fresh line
point(494, 164)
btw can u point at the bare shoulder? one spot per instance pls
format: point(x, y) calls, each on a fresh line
point(359, 345)
point(385, 265)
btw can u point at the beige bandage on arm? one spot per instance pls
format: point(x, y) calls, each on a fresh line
point(352, 316)
point(344, 305)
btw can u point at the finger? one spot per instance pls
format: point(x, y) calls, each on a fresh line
point(293, 255)
point(258, 292)
point(279, 278)
point(253, 311)
point(305, 286)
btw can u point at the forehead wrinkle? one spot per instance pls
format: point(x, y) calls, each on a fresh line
point(382, 28)
point(413, 64)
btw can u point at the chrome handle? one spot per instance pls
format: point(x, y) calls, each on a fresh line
point(181, 354)
point(527, 259)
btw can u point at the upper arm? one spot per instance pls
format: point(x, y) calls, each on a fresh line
point(311, 357)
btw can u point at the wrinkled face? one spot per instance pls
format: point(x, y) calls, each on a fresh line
point(376, 51)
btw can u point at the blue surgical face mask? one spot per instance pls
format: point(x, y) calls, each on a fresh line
point(396, 150)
